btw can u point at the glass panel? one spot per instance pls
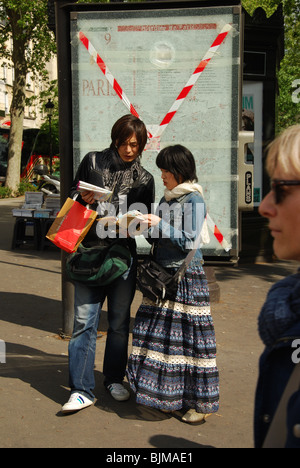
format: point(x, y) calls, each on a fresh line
point(146, 59)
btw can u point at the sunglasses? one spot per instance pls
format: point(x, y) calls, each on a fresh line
point(277, 186)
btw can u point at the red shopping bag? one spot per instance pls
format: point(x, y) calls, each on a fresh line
point(71, 225)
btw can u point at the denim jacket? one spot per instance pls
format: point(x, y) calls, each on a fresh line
point(179, 228)
point(279, 326)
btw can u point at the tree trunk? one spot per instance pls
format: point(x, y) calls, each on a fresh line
point(14, 151)
point(16, 112)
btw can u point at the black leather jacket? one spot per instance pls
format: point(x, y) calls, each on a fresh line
point(129, 182)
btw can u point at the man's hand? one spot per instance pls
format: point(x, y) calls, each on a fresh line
point(88, 197)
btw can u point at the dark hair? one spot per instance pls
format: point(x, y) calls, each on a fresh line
point(179, 161)
point(125, 127)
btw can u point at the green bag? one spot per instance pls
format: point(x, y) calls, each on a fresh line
point(98, 266)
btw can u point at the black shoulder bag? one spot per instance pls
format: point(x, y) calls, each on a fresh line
point(158, 284)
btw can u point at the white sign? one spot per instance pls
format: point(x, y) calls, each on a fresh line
point(252, 115)
point(178, 70)
point(2, 352)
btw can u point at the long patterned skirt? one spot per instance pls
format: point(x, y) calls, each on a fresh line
point(173, 361)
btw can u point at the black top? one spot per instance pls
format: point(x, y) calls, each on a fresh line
point(129, 182)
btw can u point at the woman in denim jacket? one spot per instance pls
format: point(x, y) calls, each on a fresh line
point(279, 320)
point(173, 361)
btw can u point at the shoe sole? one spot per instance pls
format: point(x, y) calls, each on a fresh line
point(196, 421)
point(120, 398)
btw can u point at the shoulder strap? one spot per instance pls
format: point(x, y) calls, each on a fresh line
point(181, 271)
point(276, 436)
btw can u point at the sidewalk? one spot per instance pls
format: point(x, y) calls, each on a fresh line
point(34, 379)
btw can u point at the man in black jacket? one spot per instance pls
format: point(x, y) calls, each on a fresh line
point(119, 170)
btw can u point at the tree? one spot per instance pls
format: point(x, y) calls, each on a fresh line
point(33, 44)
point(289, 73)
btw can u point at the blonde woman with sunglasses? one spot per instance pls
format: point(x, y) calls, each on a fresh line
point(279, 320)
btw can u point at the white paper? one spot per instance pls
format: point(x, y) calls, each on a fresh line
point(101, 194)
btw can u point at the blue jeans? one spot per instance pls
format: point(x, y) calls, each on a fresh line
point(82, 346)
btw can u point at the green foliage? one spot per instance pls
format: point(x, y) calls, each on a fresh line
point(26, 187)
point(26, 21)
point(5, 192)
point(270, 6)
point(289, 72)
point(107, 1)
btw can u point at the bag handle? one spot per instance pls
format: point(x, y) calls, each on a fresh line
point(75, 196)
point(184, 266)
point(182, 269)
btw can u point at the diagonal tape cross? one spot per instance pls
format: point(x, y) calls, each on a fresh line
point(183, 94)
point(178, 102)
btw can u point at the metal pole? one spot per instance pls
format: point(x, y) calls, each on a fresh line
point(66, 145)
point(50, 144)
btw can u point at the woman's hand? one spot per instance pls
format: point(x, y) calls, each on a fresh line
point(151, 220)
point(88, 197)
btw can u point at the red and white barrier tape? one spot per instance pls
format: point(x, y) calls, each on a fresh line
point(193, 79)
point(218, 235)
point(183, 94)
point(105, 70)
point(180, 99)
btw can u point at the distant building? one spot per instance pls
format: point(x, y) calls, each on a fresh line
point(34, 116)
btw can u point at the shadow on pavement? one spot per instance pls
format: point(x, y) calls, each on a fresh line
point(265, 271)
point(166, 441)
point(31, 311)
point(47, 373)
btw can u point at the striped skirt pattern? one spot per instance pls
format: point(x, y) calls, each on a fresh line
point(173, 361)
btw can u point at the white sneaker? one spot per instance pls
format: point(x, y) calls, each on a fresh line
point(118, 392)
point(76, 402)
